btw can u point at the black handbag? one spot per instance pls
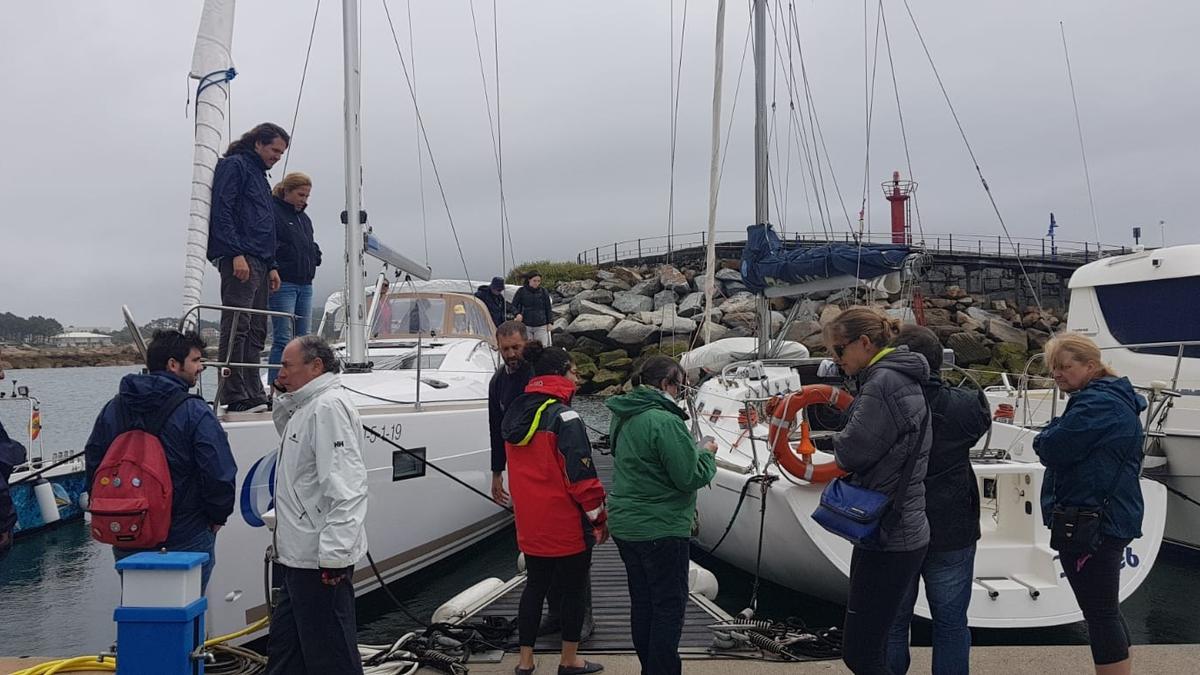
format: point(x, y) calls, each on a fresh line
point(1076, 529)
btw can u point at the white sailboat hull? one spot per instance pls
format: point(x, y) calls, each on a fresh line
point(1019, 581)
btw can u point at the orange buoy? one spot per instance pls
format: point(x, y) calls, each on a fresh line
point(798, 461)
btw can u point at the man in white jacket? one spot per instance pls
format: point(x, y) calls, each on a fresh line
point(320, 510)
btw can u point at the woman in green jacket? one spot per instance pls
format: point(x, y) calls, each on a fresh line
point(657, 470)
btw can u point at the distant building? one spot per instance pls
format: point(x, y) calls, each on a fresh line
point(81, 339)
point(211, 335)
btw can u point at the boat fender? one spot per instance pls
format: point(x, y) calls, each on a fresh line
point(47, 504)
point(466, 602)
point(702, 582)
point(783, 411)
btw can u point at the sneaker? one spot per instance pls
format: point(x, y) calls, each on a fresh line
point(524, 671)
point(248, 406)
point(587, 667)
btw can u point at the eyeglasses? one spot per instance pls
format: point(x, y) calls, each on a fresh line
point(838, 350)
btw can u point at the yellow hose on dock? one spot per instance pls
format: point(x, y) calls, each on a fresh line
point(83, 664)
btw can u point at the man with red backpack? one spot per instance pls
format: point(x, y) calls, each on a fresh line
point(159, 468)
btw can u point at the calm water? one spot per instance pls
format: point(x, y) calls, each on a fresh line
point(58, 588)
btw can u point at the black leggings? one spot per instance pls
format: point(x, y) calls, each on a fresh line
point(570, 575)
point(879, 582)
point(1095, 578)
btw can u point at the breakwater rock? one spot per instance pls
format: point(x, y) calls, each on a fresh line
point(62, 357)
point(623, 314)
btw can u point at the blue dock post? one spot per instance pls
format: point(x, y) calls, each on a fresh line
point(160, 623)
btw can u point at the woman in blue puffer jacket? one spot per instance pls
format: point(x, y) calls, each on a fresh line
point(1093, 455)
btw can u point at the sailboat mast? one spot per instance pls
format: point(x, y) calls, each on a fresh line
point(760, 112)
point(761, 214)
point(353, 217)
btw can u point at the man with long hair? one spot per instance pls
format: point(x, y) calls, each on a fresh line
point(241, 243)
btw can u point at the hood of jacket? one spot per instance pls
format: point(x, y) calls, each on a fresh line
point(1116, 389)
point(525, 413)
point(143, 394)
point(287, 404)
point(283, 204)
point(641, 399)
point(900, 360)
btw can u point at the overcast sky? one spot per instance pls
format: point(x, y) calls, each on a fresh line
point(95, 177)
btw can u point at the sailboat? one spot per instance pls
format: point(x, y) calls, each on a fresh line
point(423, 401)
point(757, 513)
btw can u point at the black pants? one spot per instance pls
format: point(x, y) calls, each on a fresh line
point(243, 384)
point(657, 573)
point(313, 629)
point(570, 574)
point(879, 582)
point(1095, 579)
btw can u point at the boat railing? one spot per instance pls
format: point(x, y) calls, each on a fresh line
point(32, 405)
point(224, 364)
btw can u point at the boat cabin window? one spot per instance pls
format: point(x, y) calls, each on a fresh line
point(409, 362)
point(407, 315)
point(1150, 311)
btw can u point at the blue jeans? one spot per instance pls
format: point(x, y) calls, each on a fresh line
point(205, 541)
point(948, 576)
point(657, 573)
point(294, 299)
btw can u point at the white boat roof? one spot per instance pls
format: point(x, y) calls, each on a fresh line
point(1171, 262)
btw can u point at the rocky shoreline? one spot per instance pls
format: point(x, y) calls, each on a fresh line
point(60, 357)
point(623, 314)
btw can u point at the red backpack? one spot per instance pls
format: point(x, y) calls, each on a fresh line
point(130, 499)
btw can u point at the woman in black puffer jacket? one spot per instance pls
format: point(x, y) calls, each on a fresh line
point(888, 422)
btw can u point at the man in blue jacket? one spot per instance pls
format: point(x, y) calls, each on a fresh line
point(203, 472)
point(241, 243)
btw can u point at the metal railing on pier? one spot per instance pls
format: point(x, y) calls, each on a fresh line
point(982, 246)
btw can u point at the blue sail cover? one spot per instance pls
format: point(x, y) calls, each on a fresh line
point(765, 261)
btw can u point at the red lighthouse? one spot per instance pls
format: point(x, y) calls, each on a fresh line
point(897, 192)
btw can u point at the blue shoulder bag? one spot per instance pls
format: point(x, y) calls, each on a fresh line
point(855, 513)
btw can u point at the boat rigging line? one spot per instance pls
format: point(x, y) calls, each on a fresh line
point(971, 152)
point(300, 94)
point(676, 77)
point(1079, 130)
point(425, 136)
point(43, 470)
point(412, 59)
point(494, 125)
point(435, 467)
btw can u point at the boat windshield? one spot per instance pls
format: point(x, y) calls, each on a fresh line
point(407, 315)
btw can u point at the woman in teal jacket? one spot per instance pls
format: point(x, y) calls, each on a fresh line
point(657, 470)
point(1093, 456)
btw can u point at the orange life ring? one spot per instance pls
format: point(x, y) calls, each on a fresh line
point(783, 413)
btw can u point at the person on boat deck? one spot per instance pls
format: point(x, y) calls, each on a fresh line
point(657, 470)
point(492, 297)
point(203, 471)
point(960, 419)
point(321, 510)
point(12, 454)
point(888, 422)
point(558, 502)
point(532, 306)
point(241, 243)
point(1093, 457)
point(297, 257)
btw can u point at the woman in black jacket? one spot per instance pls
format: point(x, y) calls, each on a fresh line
point(888, 427)
point(532, 305)
point(297, 256)
point(960, 419)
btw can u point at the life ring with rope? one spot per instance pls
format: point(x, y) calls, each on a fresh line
point(798, 461)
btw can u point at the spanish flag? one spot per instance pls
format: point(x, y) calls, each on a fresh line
point(35, 424)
